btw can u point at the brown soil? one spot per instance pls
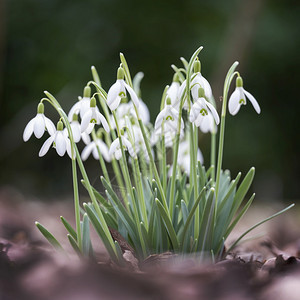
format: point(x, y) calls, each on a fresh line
point(265, 268)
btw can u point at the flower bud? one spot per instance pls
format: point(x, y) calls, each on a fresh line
point(121, 73)
point(93, 102)
point(239, 81)
point(197, 66)
point(176, 78)
point(60, 126)
point(87, 92)
point(40, 108)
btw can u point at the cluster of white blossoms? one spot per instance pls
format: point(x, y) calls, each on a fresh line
point(127, 109)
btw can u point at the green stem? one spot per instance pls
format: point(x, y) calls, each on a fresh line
point(76, 204)
point(82, 170)
point(101, 160)
point(129, 187)
point(228, 80)
point(213, 154)
point(140, 191)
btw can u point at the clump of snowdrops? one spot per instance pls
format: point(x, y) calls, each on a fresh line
point(166, 199)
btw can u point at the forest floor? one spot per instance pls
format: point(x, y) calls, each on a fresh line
point(266, 266)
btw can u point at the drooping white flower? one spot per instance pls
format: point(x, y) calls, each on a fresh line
point(203, 113)
point(169, 115)
point(200, 82)
point(238, 98)
point(184, 157)
point(197, 82)
point(115, 148)
point(173, 92)
point(76, 129)
point(91, 117)
point(81, 106)
point(93, 148)
point(118, 91)
point(38, 124)
point(59, 141)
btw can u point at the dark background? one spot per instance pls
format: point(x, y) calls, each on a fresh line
point(51, 45)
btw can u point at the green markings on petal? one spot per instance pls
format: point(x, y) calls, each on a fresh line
point(203, 112)
point(93, 121)
point(169, 118)
point(242, 101)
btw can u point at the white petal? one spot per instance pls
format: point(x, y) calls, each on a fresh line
point(74, 110)
point(200, 156)
point(159, 119)
point(95, 153)
point(84, 105)
point(104, 150)
point(114, 145)
point(86, 120)
point(144, 112)
point(87, 151)
point(86, 138)
point(28, 130)
point(76, 131)
point(39, 125)
point(233, 103)
point(114, 105)
point(206, 124)
point(46, 145)
point(133, 95)
point(207, 87)
point(253, 101)
point(199, 120)
point(60, 143)
point(49, 125)
point(214, 112)
point(113, 93)
point(129, 147)
point(69, 151)
point(103, 121)
point(118, 154)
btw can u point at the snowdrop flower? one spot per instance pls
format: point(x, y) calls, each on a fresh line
point(93, 148)
point(82, 106)
point(173, 90)
point(115, 148)
point(59, 141)
point(203, 113)
point(170, 117)
point(38, 124)
point(238, 98)
point(200, 82)
point(91, 117)
point(76, 129)
point(184, 158)
point(197, 82)
point(118, 91)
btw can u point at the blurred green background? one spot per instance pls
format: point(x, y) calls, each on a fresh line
point(51, 45)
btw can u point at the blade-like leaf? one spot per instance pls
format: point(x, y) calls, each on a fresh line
point(69, 228)
point(51, 239)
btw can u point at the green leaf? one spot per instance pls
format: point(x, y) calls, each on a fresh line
point(86, 242)
point(241, 192)
point(74, 245)
point(206, 222)
point(51, 239)
point(258, 224)
point(69, 228)
point(191, 215)
point(168, 225)
point(98, 227)
point(126, 69)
